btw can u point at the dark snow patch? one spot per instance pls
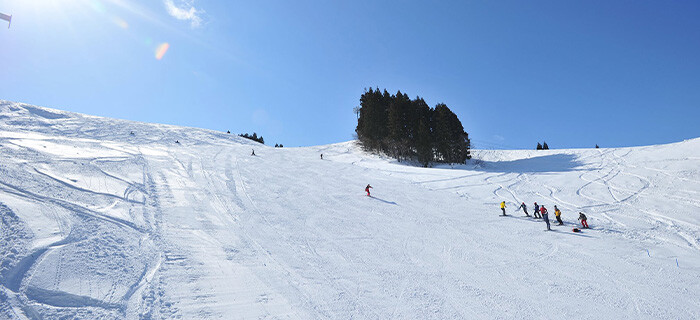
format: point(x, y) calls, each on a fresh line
point(64, 299)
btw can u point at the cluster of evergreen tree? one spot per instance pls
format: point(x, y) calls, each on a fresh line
point(410, 129)
point(543, 146)
point(279, 145)
point(254, 137)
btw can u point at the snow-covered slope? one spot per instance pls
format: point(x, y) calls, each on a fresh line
point(100, 223)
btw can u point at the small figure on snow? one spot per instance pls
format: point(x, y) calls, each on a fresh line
point(503, 207)
point(545, 216)
point(367, 189)
point(557, 213)
point(537, 211)
point(524, 207)
point(252, 154)
point(321, 156)
point(583, 219)
point(131, 133)
point(177, 141)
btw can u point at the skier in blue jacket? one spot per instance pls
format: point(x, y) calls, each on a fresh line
point(524, 207)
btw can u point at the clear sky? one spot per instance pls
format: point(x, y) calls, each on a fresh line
point(572, 73)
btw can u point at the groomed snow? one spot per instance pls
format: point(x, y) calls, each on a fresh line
point(98, 223)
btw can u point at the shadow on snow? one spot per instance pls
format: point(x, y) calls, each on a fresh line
point(548, 163)
point(382, 200)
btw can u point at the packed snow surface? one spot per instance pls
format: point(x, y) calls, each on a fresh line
point(100, 223)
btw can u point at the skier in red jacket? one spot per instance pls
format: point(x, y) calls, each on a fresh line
point(367, 189)
point(545, 216)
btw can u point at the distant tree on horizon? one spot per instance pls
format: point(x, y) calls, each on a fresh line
point(539, 146)
point(545, 146)
point(254, 137)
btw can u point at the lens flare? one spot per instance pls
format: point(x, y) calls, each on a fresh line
point(120, 22)
point(162, 49)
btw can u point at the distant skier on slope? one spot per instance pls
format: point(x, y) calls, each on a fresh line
point(557, 213)
point(524, 207)
point(503, 207)
point(321, 156)
point(537, 211)
point(367, 189)
point(545, 216)
point(252, 154)
point(583, 219)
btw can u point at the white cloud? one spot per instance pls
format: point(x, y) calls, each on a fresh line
point(185, 11)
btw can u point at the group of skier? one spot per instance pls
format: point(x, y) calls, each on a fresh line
point(542, 213)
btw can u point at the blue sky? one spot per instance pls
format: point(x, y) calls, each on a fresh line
point(572, 73)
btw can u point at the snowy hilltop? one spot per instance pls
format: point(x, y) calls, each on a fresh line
point(115, 219)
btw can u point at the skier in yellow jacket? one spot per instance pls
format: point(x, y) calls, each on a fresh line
point(557, 213)
point(503, 207)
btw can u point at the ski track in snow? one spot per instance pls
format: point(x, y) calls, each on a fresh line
point(99, 223)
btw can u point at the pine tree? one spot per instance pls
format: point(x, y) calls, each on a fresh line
point(424, 144)
point(441, 133)
point(545, 146)
point(451, 142)
point(596, 146)
point(371, 125)
point(539, 146)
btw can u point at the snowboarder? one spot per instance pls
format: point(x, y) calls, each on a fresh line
point(252, 154)
point(524, 207)
point(321, 156)
point(583, 219)
point(545, 216)
point(503, 207)
point(367, 189)
point(557, 213)
point(537, 211)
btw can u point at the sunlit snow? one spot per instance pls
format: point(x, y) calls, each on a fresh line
point(100, 223)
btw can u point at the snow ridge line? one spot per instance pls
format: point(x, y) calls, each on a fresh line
point(77, 209)
point(74, 187)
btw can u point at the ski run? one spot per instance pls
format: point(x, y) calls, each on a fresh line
point(112, 219)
